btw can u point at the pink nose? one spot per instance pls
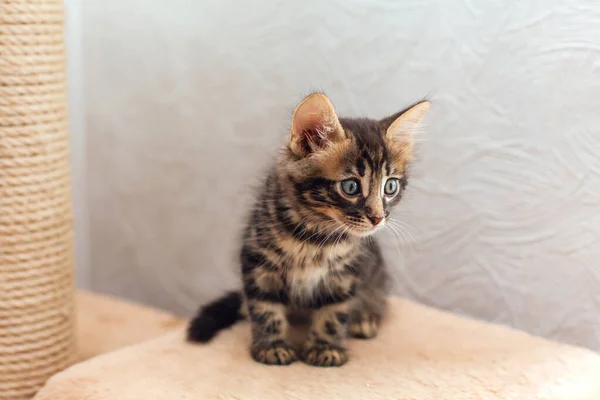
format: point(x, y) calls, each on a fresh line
point(375, 220)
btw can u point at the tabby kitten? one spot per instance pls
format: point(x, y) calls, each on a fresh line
point(305, 247)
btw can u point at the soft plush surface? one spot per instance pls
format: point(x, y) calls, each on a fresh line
point(105, 323)
point(420, 353)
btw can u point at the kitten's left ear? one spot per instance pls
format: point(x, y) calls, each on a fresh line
point(403, 127)
point(314, 125)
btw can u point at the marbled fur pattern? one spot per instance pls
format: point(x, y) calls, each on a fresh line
point(307, 247)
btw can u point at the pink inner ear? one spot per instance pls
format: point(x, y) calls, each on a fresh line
point(310, 138)
point(309, 117)
point(311, 127)
point(314, 124)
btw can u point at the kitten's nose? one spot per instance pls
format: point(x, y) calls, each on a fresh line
point(375, 220)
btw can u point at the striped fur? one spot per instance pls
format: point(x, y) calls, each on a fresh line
point(307, 246)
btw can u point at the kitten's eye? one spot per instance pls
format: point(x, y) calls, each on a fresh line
point(351, 187)
point(391, 186)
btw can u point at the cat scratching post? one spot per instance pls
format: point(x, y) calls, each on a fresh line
point(36, 254)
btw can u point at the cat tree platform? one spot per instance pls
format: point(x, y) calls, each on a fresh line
point(421, 353)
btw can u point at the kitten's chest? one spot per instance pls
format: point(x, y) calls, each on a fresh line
point(310, 272)
point(303, 283)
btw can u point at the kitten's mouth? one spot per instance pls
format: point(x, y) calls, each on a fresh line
point(364, 231)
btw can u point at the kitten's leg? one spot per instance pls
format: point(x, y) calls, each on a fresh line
point(266, 305)
point(270, 344)
point(364, 324)
point(365, 318)
point(325, 344)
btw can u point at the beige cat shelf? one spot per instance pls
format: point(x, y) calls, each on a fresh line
point(420, 354)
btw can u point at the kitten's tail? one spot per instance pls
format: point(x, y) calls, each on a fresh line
point(215, 316)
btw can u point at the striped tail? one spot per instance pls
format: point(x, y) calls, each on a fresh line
point(214, 317)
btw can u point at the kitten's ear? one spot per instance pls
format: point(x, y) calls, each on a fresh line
point(402, 126)
point(314, 125)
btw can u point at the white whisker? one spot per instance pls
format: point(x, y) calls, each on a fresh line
point(400, 256)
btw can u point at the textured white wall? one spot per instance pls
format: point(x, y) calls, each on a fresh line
point(75, 73)
point(185, 100)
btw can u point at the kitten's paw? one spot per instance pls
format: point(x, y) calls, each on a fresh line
point(325, 356)
point(274, 353)
point(364, 328)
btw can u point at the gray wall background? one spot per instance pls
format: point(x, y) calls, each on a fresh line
point(183, 102)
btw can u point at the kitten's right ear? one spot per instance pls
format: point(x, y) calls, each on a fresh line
point(314, 125)
point(402, 126)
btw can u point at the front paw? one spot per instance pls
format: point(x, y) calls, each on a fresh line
point(326, 355)
point(274, 353)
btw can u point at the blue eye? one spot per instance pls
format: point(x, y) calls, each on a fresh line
point(351, 187)
point(391, 186)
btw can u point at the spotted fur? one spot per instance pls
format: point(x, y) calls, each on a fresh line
point(307, 247)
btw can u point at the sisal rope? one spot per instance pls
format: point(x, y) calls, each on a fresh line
point(36, 254)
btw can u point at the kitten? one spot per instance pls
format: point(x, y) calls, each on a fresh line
point(306, 247)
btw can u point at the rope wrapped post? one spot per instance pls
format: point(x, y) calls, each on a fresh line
point(36, 254)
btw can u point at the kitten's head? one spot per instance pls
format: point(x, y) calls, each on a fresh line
point(348, 173)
